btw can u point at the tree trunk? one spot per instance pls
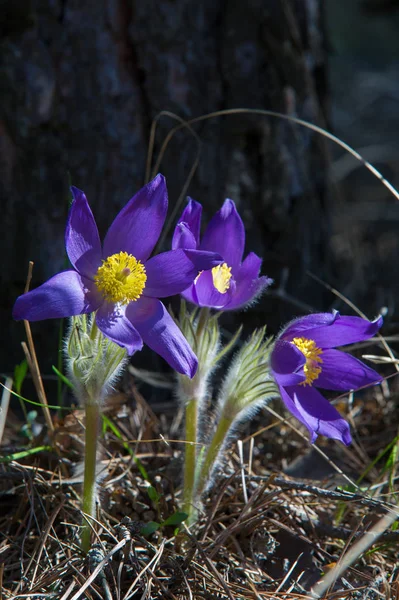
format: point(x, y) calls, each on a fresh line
point(81, 83)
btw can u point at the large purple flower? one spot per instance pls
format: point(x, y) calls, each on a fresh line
point(119, 281)
point(232, 284)
point(304, 357)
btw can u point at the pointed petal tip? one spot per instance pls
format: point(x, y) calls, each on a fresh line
point(192, 368)
point(77, 193)
point(229, 205)
point(158, 180)
point(347, 438)
point(344, 436)
point(193, 204)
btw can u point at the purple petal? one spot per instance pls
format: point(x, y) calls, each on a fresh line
point(225, 234)
point(204, 260)
point(81, 236)
point(190, 295)
point(112, 321)
point(137, 227)
point(183, 237)
point(64, 295)
point(191, 216)
point(162, 335)
point(208, 295)
point(172, 272)
point(299, 326)
point(316, 413)
point(343, 372)
point(344, 330)
point(248, 285)
point(286, 361)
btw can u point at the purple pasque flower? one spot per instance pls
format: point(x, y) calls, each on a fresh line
point(119, 281)
point(304, 358)
point(232, 284)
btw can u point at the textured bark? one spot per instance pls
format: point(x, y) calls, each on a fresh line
point(80, 85)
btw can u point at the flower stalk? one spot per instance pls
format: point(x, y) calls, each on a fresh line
point(190, 457)
point(247, 387)
point(202, 331)
point(89, 483)
point(212, 453)
point(94, 363)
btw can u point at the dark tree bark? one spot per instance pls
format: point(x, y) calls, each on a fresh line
point(81, 82)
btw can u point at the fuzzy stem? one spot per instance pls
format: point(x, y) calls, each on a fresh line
point(89, 483)
point(192, 428)
point(190, 456)
point(212, 453)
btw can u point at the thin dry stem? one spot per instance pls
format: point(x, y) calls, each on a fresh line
point(34, 365)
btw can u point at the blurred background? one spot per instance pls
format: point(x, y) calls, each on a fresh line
point(81, 82)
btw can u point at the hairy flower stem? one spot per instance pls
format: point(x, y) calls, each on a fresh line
point(212, 454)
point(190, 456)
point(191, 417)
point(89, 482)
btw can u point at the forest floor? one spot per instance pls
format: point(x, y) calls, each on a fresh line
point(282, 517)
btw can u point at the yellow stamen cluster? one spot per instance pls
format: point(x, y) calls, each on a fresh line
point(221, 276)
point(312, 354)
point(121, 278)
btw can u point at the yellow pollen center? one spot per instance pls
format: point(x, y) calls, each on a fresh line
point(312, 354)
point(121, 278)
point(221, 276)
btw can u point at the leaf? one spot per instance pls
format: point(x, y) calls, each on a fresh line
point(153, 494)
point(20, 374)
point(62, 377)
point(24, 453)
point(149, 528)
point(176, 519)
point(32, 401)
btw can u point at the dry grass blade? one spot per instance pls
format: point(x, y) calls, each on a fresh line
point(152, 563)
point(33, 364)
point(354, 553)
point(209, 564)
point(358, 311)
point(68, 591)
point(36, 558)
point(271, 114)
point(97, 570)
point(317, 449)
point(5, 402)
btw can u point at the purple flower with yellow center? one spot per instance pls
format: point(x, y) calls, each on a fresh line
point(305, 358)
point(233, 284)
point(119, 281)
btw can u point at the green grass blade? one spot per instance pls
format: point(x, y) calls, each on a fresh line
point(62, 378)
point(24, 453)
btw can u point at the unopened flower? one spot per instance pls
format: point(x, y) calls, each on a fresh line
point(119, 281)
point(304, 358)
point(232, 284)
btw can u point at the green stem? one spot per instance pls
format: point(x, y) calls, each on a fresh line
point(89, 482)
point(212, 453)
point(190, 456)
point(192, 427)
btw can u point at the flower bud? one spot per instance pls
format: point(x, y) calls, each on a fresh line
point(94, 361)
point(248, 383)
